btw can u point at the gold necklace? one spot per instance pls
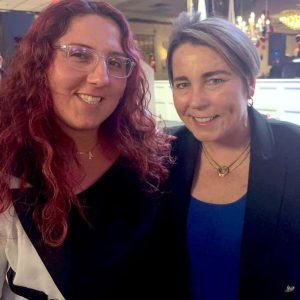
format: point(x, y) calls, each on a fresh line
point(88, 153)
point(225, 170)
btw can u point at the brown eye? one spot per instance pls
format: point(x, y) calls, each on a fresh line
point(80, 55)
point(181, 85)
point(115, 62)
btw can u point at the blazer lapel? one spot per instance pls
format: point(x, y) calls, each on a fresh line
point(55, 259)
point(265, 190)
point(186, 149)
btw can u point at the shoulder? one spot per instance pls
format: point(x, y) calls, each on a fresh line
point(286, 137)
point(8, 220)
point(184, 139)
point(181, 134)
point(176, 130)
point(286, 146)
point(15, 182)
point(271, 136)
point(185, 149)
point(8, 235)
point(285, 129)
point(17, 254)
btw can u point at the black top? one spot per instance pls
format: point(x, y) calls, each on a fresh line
point(112, 257)
point(107, 254)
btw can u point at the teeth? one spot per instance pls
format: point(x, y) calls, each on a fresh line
point(205, 119)
point(90, 99)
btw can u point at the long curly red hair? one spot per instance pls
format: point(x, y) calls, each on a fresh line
point(32, 145)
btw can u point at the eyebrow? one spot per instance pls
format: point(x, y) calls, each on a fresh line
point(180, 78)
point(205, 75)
point(216, 72)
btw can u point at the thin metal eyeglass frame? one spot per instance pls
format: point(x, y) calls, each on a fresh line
point(65, 49)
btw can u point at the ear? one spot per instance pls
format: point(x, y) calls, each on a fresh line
point(251, 87)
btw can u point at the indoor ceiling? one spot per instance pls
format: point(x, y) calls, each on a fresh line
point(159, 10)
point(166, 10)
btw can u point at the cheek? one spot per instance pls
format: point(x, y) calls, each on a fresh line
point(122, 89)
point(118, 87)
point(232, 109)
point(59, 102)
point(63, 80)
point(179, 103)
point(178, 107)
point(237, 108)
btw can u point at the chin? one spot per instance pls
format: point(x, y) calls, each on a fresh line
point(81, 127)
point(90, 127)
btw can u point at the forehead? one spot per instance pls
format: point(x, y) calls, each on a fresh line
point(191, 57)
point(94, 31)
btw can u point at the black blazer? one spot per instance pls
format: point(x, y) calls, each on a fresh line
point(270, 250)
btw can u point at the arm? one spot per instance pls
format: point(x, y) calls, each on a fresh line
point(4, 232)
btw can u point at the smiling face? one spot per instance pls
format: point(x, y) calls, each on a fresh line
point(209, 97)
point(84, 100)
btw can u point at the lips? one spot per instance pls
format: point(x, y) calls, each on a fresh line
point(205, 119)
point(93, 100)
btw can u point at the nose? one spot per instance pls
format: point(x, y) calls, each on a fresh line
point(198, 98)
point(99, 75)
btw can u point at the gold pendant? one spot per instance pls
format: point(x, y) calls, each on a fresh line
point(223, 171)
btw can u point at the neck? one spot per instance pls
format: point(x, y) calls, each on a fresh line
point(228, 163)
point(86, 145)
point(84, 140)
point(227, 145)
point(226, 151)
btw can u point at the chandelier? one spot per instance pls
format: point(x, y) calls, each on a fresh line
point(290, 18)
point(255, 29)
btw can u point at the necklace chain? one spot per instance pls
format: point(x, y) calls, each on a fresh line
point(225, 170)
point(88, 153)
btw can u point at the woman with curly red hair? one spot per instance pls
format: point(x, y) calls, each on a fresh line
point(81, 159)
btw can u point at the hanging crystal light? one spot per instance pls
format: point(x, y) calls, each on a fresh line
point(256, 29)
point(290, 18)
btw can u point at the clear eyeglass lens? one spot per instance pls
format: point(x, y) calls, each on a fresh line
point(84, 59)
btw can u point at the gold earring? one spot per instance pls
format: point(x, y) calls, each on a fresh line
point(250, 102)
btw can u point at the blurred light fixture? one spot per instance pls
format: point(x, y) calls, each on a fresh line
point(255, 29)
point(193, 7)
point(290, 18)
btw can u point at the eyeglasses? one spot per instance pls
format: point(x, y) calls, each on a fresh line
point(86, 59)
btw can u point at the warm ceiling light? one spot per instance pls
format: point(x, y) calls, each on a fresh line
point(255, 29)
point(290, 18)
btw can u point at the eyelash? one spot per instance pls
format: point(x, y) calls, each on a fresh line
point(211, 81)
point(215, 81)
point(181, 85)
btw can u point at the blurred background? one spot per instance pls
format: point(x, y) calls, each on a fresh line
point(151, 21)
point(272, 25)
